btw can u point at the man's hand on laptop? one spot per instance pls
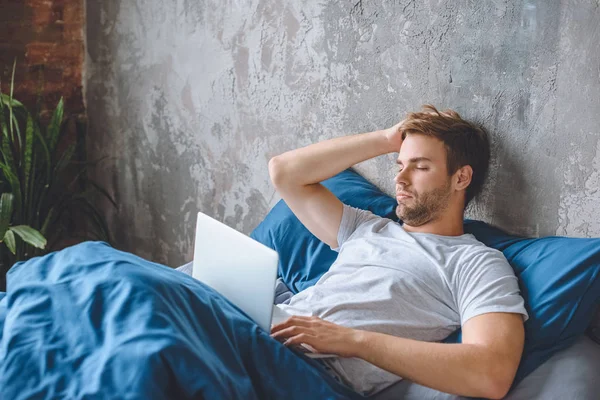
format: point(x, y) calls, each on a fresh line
point(323, 336)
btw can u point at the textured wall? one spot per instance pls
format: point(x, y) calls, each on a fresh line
point(191, 99)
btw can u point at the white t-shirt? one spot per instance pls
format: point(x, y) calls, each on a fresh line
point(419, 286)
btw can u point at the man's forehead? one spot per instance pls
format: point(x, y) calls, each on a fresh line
point(417, 148)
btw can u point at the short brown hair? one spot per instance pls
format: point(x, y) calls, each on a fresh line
point(466, 143)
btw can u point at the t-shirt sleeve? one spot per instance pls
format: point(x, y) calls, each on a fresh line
point(487, 283)
point(352, 219)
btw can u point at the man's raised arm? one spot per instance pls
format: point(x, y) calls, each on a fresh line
point(297, 175)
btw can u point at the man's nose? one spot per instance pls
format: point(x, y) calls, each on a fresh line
point(401, 178)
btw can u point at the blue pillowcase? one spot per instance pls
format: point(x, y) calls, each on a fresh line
point(558, 276)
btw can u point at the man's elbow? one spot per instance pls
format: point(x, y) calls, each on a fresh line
point(499, 392)
point(498, 385)
point(275, 171)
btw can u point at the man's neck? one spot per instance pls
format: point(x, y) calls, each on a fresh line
point(446, 226)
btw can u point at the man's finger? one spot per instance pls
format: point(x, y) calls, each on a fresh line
point(289, 331)
point(299, 339)
point(295, 320)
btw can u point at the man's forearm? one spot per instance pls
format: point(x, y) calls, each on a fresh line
point(462, 369)
point(320, 161)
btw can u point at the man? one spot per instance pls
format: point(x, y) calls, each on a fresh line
point(395, 290)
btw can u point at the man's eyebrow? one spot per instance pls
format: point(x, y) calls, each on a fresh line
point(414, 160)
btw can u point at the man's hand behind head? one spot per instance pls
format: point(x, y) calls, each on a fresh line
point(394, 136)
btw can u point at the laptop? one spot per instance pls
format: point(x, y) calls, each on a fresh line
point(242, 270)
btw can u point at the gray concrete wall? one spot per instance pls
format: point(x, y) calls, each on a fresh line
point(191, 99)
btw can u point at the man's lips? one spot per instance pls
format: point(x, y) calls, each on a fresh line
point(401, 196)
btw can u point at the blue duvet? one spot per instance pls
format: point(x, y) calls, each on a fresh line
point(94, 322)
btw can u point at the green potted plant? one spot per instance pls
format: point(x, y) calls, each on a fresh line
point(46, 196)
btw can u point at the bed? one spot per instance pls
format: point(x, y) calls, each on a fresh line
point(91, 321)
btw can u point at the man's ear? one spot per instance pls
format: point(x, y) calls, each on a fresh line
point(463, 177)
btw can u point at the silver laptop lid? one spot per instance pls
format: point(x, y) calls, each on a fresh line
point(237, 266)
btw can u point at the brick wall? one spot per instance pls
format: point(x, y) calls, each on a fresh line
point(46, 37)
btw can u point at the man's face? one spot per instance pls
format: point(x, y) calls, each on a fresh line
point(423, 186)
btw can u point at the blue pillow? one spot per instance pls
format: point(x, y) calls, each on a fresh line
point(302, 257)
point(558, 276)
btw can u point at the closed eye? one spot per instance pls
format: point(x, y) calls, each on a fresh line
point(419, 168)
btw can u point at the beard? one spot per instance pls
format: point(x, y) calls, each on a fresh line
point(426, 207)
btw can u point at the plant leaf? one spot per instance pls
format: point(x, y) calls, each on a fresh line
point(7, 152)
point(42, 141)
point(44, 175)
point(12, 85)
point(29, 235)
point(12, 78)
point(9, 239)
point(28, 153)
point(16, 134)
point(64, 160)
point(54, 127)
point(3, 117)
point(14, 185)
point(7, 101)
point(8, 138)
point(48, 221)
point(6, 206)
